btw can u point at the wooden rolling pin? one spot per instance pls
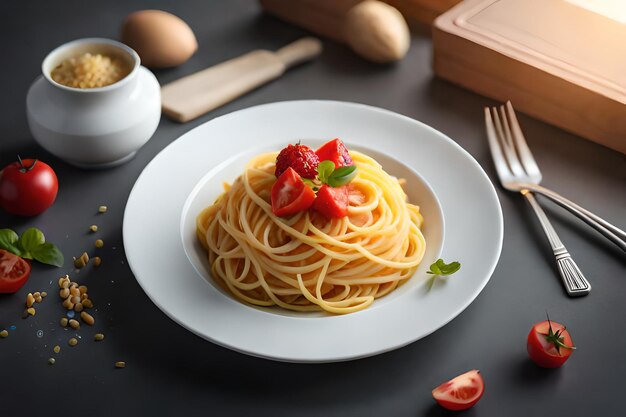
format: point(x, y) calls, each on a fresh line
point(192, 96)
point(374, 30)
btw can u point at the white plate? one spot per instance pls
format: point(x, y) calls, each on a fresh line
point(187, 175)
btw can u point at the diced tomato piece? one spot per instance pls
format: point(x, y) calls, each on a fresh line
point(335, 151)
point(290, 195)
point(332, 202)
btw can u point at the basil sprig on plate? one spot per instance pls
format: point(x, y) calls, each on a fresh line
point(327, 174)
point(31, 245)
point(442, 269)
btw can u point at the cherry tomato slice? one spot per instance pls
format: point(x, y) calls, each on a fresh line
point(543, 351)
point(290, 195)
point(461, 392)
point(332, 202)
point(14, 272)
point(335, 151)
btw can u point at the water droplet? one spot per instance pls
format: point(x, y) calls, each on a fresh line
point(12, 327)
point(40, 333)
point(70, 314)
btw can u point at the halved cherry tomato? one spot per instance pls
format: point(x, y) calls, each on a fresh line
point(27, 187)
point(14, 272)
point(290, 195)
point(335, 151)
point(332, 202)
point(461, 392)
point(549, 345)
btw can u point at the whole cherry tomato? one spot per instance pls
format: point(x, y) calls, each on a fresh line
point(549, 345)
point(27, 187)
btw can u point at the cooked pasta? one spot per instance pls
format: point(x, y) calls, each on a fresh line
point(308, 262)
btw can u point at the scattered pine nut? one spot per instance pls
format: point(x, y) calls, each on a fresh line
point(87, 318)
point(78, 307)
point(30, 300)
point(56, 349)
point(72, 342)
point(102, 209)
point(97, 261)
point(44, 294)
point(68, 304)
point(31, 311)
point(99, 243)
point(82, 289)
point(74, 324)
point(64, 282)
point(36, 294)
point(120, 364)
point(51, 361)
point(87, 303)
point(98, 337)
point(93, 228)
point(75, 299)
point(5, 333)
point(64, 321)
point(74, 292)
point(64, 293)
point(81, 261)
point(38, 298)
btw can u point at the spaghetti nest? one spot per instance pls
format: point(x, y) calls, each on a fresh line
point(307, 262)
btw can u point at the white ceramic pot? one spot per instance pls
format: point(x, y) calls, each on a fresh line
point(94, 127)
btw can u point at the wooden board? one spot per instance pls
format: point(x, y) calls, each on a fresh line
point(553, 60)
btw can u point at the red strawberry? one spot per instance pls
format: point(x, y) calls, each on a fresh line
point(334, 151)
point(299, 157)
point(332, 202)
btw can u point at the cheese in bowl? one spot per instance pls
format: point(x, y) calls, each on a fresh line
point(90, 71)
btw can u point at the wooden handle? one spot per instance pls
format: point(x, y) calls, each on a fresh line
point(373, 29)
point(323, 17)
point(192, 96)
point(299, 51)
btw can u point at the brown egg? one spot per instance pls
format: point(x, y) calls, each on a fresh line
point(377, 31)
point(161, 39)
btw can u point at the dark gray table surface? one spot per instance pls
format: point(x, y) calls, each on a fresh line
point(170, 371)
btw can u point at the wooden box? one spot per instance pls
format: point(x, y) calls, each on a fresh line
point(554, 60)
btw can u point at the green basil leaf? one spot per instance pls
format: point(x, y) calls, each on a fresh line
point(49, 254)
point(342, 176)
point(31, 238)
point(8, 241)
point(324, 170)
point(443, 269)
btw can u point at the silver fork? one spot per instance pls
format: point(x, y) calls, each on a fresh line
point(511, 172)
point(519, 171)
